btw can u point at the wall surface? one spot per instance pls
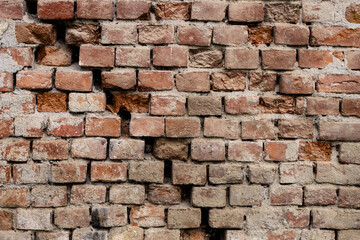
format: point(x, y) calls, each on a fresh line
point(177, 120)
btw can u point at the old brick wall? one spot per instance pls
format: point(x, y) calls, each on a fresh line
point(179, 120)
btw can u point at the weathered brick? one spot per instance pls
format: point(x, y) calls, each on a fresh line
point(49, 196)
point(287, 234)
point(81, 194)
point(147, 216)
point(262, 174)
point(51, 102)
point(17, 150)
point(54, 56)
point(186, 174)
point(156, 34)
point(14, 197)
point(14, 235)
point(155, 80)
point(205, 58)
point(6, 82)
point(34, 219)
point(208, 150)
point(337, 174)
point(258, 129)
point(184, 217)
point(352, 58)
point(262, 81)
point(315, 151)
point(80, 33)
point(103, 126)
point(89, 233)
point(348, 131)
point(108, 172)
point(296, 84)
point(29, 126)
point(228, 81)
point(149, 171)
point(91, 148)
point(131, 102)
point(341, 83)
point(65, 126)
point(278, 59)
point(204, 105)
point(92, 9)
point(217, 127)
point(112, 33)
point(68, 172)
point(133, 57)
point(163, 56)
point(119, 80)
point(277, 104)
point(350, 107)
point(194, 35)
point(133, 9)
point(72, 217)
point(55, 9)
point(309, 58)
point(182, 127)
point(132, 149)
point(16, 59)
point(127, 232)
point(295, 128)
point(147, 126)
point(6, 127)
point(260, 35)
point(15, 104)
point(109, 216)
point(298, 217)
point(246, 12)
point(96, 56)
point(35, 33)
point(286, 195)
point(34, 80)
point(50, 149)
point(208, 11)
point(267, 218)
point(349, 197)
point(167, 105)
point(162, 233)
point(31, 173)
point(243, 195)
point(335, 218)
point(172, 10)
point(226, 218)
point(237, 58)
point(320, 195)
point(301, 173)
point(127, 194)
point(322, 106)
point(87, 102)
point(242, 105)
point(348, 234)
point(164, 194)
point(74, 81)
point(6, 219)
point(170, 149)
point(245, 151)
point(12, 10)
point(193, 234)
point(281, 151)
point(5, 174)
point(349, 152)
point(290, 34)
point(334, 36)
point(208, 196)
point(288, 12)
point(317, 11)
point(193, 82)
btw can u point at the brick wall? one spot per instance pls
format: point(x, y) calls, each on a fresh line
point(179, 120)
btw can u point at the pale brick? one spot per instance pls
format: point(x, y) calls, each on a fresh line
point(127, 194)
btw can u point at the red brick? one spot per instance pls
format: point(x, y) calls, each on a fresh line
point(193, 82)
point(108, 172)
point(11, 9)
point(322, 106)
point(55, 9)
point(127, 194)
point(277, 104)
point(320, 195)
point(218, 127)
point(172, 10)
point(82, 194)
point(133, 9)
point(345, 131)
point(35, 33)
point(51, 102)
point(17, 150)
point(242, 105)
point(22, 56)
point(228, 81)
point(349, 197)
point(315, 151)
point(246, 12)
point(194, 35)
point(281, 151)
point(236, 58)
point(50, 150)
point(131, 102)
point(49, 196)
point(349, 152)
point(299, 105)
point(5, 175)
point(230, 35)
point(156, 34)
point(119, 80)
point(6, 219)
point(168, 105)
point(87, 102)
point(6, 127)
point(6, 82)
point(291, 34)
point(34, 80)
point(296, 84)
point(17, 103)
point(65, 126)
point(295, 128)
point(112, 33)
point(103, 126)
point(91, 148)
point(74, 81)
point(185, 174)
point(258, 129)
point(182, 127)
point(80, 33)
point(68, 172)
point(147, 126)
point(309, 58)
point(208, 11)
point(286, 195)
point(260, 35)
point(208, 150)
point(288, 12)
point(164, 194)
point(278, 59)
point(206, 58)
point(31, 173)
point(335, 36)
point(170, 56)
point(204, 105)
point(93, 9)
point(353, 59)
point(282, 234)
point(29, 126)
point(109, 216)
point(155, 80)
point(96, 56)
point(127, 149)
point(225, 173)
point(208, 196)
point(350, 107)
point(14, 197)
point(72, 217)
point(245, 151)
point(54, 55)
point(133, 57)
point(147, 216)
point(262, 81)
point(298, 217)
point(193, 234)
point(342, 83)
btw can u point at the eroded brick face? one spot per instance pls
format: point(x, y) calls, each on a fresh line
point(179, 120)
